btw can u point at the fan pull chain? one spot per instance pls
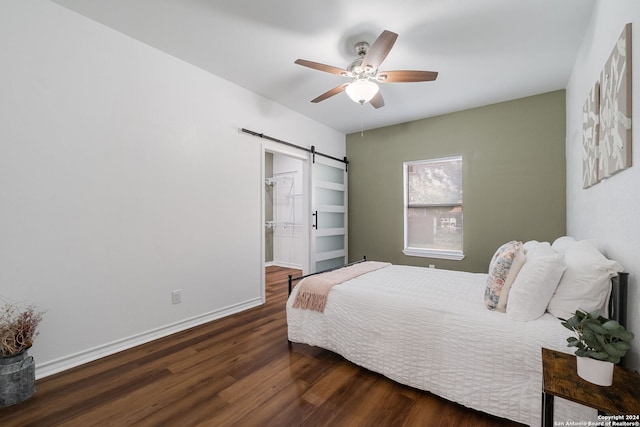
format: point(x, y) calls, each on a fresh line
point(362, 120)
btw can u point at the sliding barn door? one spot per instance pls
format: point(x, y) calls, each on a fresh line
point(328, 214)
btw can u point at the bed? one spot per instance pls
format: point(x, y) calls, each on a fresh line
point(431, 329)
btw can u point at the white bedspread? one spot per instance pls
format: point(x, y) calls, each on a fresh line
point(429, 329)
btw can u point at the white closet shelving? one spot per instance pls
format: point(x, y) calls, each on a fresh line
point(284, 200)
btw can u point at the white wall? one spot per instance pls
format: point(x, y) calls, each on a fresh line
point(123, 177)
point(608, 211)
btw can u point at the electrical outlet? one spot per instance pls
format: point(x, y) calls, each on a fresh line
point(176, 296)
point(432, 266)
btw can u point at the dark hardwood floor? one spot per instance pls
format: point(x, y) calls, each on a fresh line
point(236, 371)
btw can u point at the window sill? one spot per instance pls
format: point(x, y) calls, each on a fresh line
point(430, 253)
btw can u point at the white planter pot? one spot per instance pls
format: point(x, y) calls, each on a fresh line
point(595, 371)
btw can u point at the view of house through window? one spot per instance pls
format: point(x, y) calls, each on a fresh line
point(433, 208)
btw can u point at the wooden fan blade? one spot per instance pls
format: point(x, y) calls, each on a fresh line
point(379, 50)
point(322, 67)
point(377, 101)
point(328, 94)
point(402, 76)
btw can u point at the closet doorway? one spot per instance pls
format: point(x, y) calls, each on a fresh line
point(286, 232)
point(305, 209)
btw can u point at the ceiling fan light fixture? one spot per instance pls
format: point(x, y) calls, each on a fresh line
point(362, 90)
point(364, 74)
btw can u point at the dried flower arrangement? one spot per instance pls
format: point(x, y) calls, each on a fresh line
point(17, 328)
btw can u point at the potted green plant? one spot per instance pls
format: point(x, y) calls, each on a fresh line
point(600, 343)
point(18, 328)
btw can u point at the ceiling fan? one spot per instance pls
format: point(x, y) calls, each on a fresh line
point(364, 72)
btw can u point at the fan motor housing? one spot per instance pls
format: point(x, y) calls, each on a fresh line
point(361, 48)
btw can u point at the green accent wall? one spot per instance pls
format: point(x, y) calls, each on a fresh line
point(513, 178)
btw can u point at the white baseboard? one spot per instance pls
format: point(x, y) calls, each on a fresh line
point(71, 361)
point(287, 265)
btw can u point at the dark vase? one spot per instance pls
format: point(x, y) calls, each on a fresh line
point(17, 378)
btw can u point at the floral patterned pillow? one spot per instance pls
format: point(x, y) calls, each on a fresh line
point(503, 269)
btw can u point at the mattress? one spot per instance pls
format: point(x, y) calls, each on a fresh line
point(429, 329)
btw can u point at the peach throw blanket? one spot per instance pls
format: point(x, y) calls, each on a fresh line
point(314, 290)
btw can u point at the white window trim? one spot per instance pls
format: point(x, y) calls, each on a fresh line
point(421, 252)
point(431, 253)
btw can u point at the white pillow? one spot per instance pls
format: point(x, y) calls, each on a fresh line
point(586, 283)
point(535, 248)
point(562, 243)
point(503, 269)
point(534, 285)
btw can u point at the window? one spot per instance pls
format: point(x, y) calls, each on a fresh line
point(433, 208)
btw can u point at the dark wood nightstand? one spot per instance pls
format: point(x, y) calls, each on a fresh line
point(559, 378)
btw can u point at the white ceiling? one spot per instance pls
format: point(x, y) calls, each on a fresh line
point(486, 51)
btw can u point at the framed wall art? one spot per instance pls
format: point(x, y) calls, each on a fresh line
point(615, 109)
point(590, 136)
